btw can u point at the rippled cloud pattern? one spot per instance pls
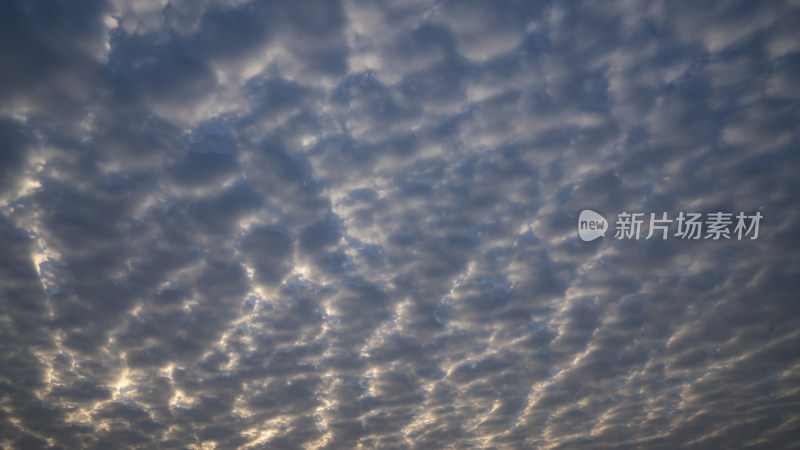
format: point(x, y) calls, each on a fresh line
point(350, 224)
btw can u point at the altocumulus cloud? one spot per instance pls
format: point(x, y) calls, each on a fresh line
point(346, 224)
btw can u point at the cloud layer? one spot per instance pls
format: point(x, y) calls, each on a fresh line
point(342, 224)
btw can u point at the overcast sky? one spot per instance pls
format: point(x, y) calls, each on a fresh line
point(247, 224)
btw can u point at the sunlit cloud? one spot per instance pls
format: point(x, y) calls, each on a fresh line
point(353, 225)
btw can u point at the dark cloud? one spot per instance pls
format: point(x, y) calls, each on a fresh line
point(343, 224)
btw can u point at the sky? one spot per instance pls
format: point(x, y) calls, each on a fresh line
point(350, 224)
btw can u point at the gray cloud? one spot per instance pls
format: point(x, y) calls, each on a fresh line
point(342, 224)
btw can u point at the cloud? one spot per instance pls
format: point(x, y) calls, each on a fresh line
point(343, 224)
